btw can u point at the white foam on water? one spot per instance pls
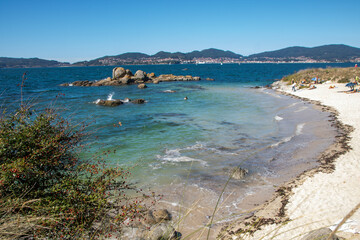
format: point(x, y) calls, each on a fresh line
point(70, 85)
point(284, 140)
point(278, 118)
point(293, 104)
point(97, 101)
point(197, 146)
point(301, 109)
point(269, 93)
point(109, 98)
point(299, 129)
point(174, 155)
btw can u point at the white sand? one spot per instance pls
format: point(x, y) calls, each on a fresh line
point(324, 199)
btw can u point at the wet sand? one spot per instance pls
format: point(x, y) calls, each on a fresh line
point(192, 205)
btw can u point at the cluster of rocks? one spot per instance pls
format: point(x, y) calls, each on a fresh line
point(117, 102)
point(122, 76)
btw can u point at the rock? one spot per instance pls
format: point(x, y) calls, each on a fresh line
point(166, 77)
point(238, 173)
point(151, 75)
point(124, 77)
point(82, 83)
point(138, 101)
point(129, 73)
point(125, 80)
point(161, 215)
point(140, 75)
point(320, 234)
point(163, 231)
point(118, 72)
point(110, 103)
point(142, 86)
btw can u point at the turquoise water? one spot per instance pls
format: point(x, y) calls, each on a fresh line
point(172, 142)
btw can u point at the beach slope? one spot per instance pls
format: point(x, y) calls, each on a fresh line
point(319, 198)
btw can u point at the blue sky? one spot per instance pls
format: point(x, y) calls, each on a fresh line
point(74, 30)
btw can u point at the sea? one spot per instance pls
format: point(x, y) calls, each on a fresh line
point(183, 149)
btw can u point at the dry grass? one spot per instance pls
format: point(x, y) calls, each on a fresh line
point(341, 75)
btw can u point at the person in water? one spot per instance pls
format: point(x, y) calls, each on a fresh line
point(185, 98)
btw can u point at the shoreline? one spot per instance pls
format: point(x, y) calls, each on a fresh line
point(269, 220)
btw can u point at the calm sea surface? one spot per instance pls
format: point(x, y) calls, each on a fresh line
point(175, 143)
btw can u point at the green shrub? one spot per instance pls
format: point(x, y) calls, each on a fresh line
point(44, 182)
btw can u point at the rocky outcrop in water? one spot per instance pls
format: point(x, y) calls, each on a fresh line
point(109, 103)
point(238, 173)
point(117, 102)
point(122, 76)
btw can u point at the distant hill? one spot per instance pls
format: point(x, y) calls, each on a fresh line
point(131, 57)
point(212, 53)
point(6, 62)
point(332, 53)
point(328, 53)
point(141, 58)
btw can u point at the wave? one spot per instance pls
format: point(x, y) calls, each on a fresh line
point(278, 118)
point(298, 131)
point(301, 109)
point(169, 91)
point(174, 155)
point(109, 98)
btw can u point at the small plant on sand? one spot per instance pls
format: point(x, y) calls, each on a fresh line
point(47, 190)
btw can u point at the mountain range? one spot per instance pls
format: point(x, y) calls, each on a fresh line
point(326, 53)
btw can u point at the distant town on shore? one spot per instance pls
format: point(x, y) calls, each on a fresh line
point(321, 54)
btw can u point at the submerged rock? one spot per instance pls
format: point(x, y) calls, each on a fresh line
point(142, 86)
point(238, 173)
point(138, 101)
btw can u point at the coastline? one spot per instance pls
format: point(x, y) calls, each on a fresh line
point(321, 196)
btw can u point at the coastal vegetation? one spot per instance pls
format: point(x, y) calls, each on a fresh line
point(336, 75)
point(48, 191)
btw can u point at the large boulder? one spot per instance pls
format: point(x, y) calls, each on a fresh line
point(118, 72)
point(141, 75)
point(129, 73)
point(126, 80)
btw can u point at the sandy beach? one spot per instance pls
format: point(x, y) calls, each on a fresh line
point(322, 199)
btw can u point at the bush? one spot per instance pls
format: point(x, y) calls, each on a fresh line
point(46, 189)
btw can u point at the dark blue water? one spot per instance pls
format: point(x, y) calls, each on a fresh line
point(172, 143)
